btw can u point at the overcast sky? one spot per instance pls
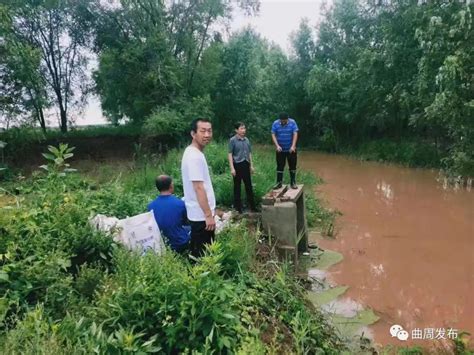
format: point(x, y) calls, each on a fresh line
point(276, 21)
point(278, 18)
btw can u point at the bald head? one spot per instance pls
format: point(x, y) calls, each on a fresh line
point(164, 183)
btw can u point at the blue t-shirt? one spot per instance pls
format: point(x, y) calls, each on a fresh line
point(170, 214)
point(284, 134)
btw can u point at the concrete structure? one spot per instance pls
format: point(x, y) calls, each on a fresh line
point(284, 217)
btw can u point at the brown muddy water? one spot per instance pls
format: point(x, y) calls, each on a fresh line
point(408, 245)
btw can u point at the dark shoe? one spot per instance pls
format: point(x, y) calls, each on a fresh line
point(277, 186)
point(293, 179)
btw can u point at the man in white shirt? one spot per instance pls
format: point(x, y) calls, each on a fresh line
point(198, 191)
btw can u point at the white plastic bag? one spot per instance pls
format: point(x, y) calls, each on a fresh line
point(103, 223)
point(141, 233)
point(222, 223)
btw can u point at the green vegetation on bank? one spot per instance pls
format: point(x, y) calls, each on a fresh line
point(412, 153)
point(406, 152)
point(65, 288)
point(21, 142)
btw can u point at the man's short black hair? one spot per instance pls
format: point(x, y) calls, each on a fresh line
point(163, 182)
point(194, 123)
point(239, 124)
point(283, 116)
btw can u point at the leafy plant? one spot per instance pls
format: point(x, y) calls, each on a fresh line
point(57, 159)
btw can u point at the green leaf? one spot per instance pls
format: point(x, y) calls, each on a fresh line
point(62, 147)
point(4, 276)
point(64, 263)
point(4, 306)
point(326, 296)
point(54, 150)
point(327, 259)
point(49, 156)
point(225, 341)
point(211, 334)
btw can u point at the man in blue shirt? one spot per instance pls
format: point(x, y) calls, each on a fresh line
point(170, 215)
point(285, 136)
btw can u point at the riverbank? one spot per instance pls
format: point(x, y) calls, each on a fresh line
point(67, 289)
point(101, 143)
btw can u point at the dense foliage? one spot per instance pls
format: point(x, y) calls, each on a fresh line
point(65, 288)
point(402, 72)
point(371, 75)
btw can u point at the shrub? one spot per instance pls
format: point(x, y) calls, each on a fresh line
point(164, 122)
point(405, 152)
point(173, 122)
point(186, 307)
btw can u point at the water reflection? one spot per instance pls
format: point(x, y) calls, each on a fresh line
point(455, 183)
point(386, 190)
point(377, 270)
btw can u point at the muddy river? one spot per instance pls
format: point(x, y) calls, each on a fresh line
point(408, 245)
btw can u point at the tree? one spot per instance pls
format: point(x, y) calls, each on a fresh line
point(251, 84)
point(446, 81)
point(400, 71)
point(151, 52)
point(22, 87)
point(190, 26)
point(53, 28)
point(337, 85)
point(300, 64)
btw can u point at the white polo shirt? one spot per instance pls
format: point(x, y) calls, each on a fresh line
point(194, 168)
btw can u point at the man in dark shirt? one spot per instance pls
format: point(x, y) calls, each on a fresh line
point(170, 215)
point(240, 162)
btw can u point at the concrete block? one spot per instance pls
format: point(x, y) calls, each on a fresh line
point(284, 217)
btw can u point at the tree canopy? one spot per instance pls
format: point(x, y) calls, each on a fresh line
point(398, 71)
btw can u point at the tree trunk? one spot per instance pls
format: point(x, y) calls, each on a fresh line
point(63, 116)
point(40, 117)
point(201, 47)
point(62, 110)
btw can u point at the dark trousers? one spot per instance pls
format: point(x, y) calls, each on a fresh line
point(281, 158)
point(242, 173)
point(199, 238)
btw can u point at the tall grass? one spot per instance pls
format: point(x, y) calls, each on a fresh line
point(262, 180)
